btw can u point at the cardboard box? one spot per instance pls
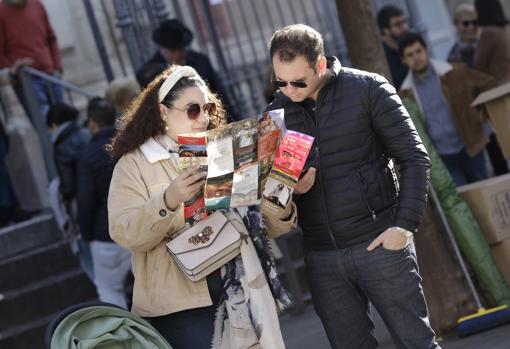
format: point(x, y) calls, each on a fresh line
point(497, 103)
point(501, 254)
point(489, 200)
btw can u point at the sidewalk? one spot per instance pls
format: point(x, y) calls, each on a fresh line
point(305, 331)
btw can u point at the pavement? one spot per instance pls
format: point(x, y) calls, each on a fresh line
point(305, 331)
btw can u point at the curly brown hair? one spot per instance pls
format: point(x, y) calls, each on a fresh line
point(142, 119)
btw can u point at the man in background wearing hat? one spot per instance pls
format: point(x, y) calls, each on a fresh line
point(173, 39)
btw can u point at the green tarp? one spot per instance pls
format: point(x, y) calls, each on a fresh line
point(464, 226)
point(103, 327)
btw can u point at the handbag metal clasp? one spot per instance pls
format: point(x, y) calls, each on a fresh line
point(201, 237)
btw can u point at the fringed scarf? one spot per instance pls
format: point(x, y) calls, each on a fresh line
point(253, 294)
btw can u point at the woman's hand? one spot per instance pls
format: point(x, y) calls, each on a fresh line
point(184, 187)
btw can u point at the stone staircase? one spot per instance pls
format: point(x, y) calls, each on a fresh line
point(39, 277)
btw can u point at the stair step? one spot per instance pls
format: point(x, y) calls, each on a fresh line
point(38, 264)
point(31, 234)
point(40, 299)
point(29, 335)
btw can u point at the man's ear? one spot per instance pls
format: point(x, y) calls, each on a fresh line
point(322, 64)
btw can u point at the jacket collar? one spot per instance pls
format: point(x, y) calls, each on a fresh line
point(159, 148)
point(104, 133)
point(440, 68)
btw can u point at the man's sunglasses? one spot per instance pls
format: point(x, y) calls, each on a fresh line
point(193, 110)
point(281, 83)
point(466, 24)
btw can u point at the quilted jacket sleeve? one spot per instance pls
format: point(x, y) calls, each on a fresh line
point(396, 131)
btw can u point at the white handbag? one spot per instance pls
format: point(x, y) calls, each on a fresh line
point(206, 246)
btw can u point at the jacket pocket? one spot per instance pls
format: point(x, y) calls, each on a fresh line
point(364, 194)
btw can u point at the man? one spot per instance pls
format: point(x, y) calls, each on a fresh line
point(393, 24)
point(444, 93)
point(27, 38)
point(357, 228)
point(173, 39)
point(95, 167)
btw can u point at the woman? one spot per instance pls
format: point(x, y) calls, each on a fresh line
point(493, 51)
point(145, 209)
point(466, 21)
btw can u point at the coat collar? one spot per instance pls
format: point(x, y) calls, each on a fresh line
point(159, 148)
point(441, 68)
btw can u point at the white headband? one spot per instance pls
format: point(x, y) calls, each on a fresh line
point(171, 80)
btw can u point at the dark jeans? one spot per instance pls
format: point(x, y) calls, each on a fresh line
point(344, 281)
point(498, 161)
point(192, 328)
point(465, 169)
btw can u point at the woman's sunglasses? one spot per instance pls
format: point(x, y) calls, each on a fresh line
point(193, 110)
point(281, 83)
point(466, 24)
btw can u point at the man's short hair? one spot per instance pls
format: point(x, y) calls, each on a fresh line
point(385, 15)
point(297, 40)
point(409, 39)
point(101, 111)
point(60, 113)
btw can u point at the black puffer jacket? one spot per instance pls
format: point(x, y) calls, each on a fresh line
point(95, 170)
point(360, 124)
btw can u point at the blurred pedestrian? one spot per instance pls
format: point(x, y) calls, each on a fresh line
point(466, 22)
point(444, 92)
point(173, 39)
point(493, 51)
point(120, 92)
point(95, 167)
point(393, 24)
point(69, 139)
point(27, 38)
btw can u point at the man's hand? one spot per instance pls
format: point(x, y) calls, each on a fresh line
point(20, 63)
point(306, 182)
point(390, 239)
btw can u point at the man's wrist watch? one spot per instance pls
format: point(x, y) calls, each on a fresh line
point(407, 233)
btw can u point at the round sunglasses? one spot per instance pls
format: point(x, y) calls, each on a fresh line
point(281, 83)
point(193, 110)
point(466, 24)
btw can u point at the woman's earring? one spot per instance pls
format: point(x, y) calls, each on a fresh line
point(166, 128)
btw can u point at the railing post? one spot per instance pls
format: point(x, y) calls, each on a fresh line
point(38, 120)
point(217, 49)
point(125, 23)
point(161, 10)
point(98, 38)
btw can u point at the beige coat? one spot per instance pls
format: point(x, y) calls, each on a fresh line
point(140, 222)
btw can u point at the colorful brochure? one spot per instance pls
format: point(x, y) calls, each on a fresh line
point(193, 152)
point(237, 157)
point(288, 164)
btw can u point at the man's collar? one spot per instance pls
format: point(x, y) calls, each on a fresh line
point(440, 68)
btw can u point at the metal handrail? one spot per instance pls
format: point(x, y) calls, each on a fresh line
point(57, 81)
point(34, 106)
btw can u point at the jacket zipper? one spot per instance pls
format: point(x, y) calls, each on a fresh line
point(319, 174)
point(361, 182)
